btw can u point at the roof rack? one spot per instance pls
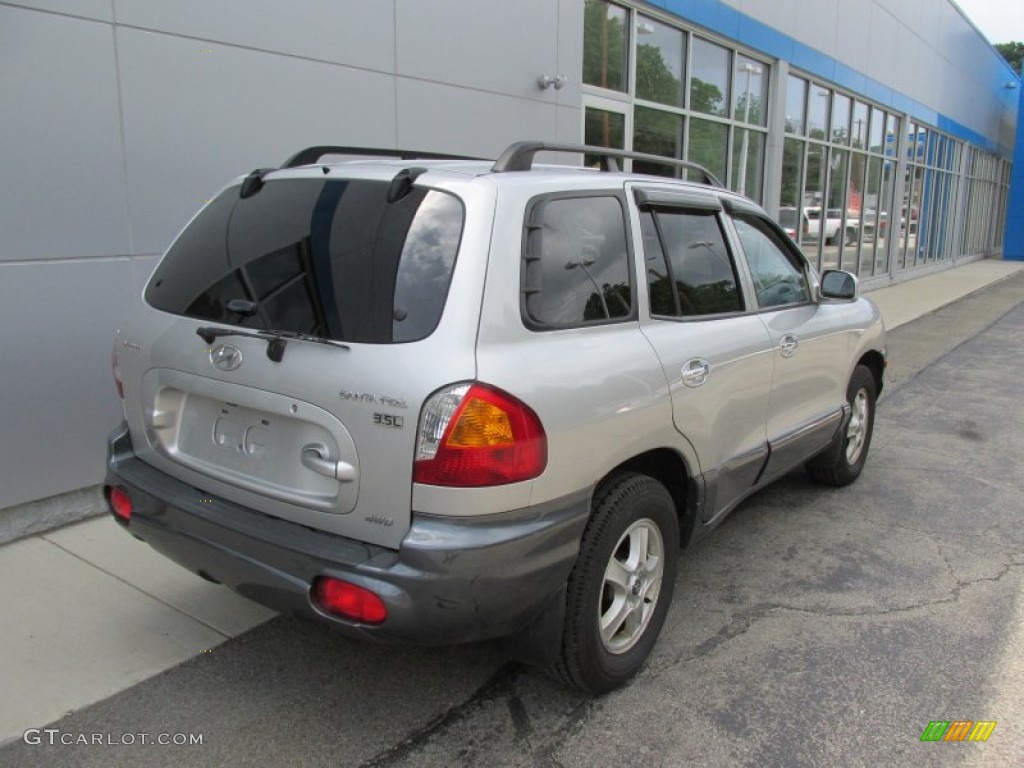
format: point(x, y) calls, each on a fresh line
point(519, 157)
point(311, 155)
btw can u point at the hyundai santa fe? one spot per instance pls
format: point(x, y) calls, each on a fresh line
point(437, 400)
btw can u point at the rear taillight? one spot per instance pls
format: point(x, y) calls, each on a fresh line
point(473, 435)
point(120, 502)
point(115, 364)
point(344, 599)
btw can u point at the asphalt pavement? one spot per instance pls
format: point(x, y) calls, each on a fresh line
point(815, 627)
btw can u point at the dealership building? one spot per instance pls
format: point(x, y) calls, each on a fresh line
point(881, 133)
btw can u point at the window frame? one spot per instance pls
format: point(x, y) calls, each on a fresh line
point(534, 209)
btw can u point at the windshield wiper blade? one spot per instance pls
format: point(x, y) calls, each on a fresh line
point(304, 337)
point(276, 340)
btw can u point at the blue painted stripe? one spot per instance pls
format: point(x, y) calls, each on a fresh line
point(725, 20)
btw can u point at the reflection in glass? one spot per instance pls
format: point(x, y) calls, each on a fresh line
point(605, 45)
point(657, 133)
point(602, 128)
point(709, 80)
point(834, 232)
point(841, 119)
point(698, 278)
point(659, 62)
point(859, 126)
point(814, 194)
point(750, 91)
point(796, 102)
point(790, 194)
point(877, 132)
point(855, 211)
point(748, 162)
point(817, 112)
point(708, 143)
point(578, 262)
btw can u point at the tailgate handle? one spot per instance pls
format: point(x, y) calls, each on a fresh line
point(317, 458)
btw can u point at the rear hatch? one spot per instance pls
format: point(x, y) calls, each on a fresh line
point(299, 330)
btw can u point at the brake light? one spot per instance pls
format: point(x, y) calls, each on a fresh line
point(475, 435)
point(348, 601)
point(115, 364)
point(120, 502)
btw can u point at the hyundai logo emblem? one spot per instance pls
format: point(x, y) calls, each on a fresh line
point(225, 357)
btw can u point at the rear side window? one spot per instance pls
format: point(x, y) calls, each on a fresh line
point(689, 270)
point(330, 258)
point(576, 262)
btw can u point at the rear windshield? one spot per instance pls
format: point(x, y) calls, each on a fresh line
point(330, 258)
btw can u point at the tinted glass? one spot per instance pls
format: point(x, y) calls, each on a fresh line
point(602, 128)
point(778, 275)
point(697, 277)
point(657, 133)
point(796, 99)
point(709, 143)
point(328, 258)
point(749, 91)
point(709, 79)
point(605, 45)
point(659, 62)
point(576, 264)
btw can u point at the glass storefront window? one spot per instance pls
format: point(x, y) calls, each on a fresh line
point(748, 162)
point(602, 128)
point(790, 193)
point(796, 101)
point(605, 45)
point(876, 142)
point(817, 112)
point(708, 145)
point(660, 52)
point(859, 127)
point(841, 119)
point(709, 78)
point(656, 132)
point(749, 91)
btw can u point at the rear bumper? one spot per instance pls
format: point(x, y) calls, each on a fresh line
point(452, 580)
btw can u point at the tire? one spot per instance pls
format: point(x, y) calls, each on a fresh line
point(832, 240)
point(623, 578)
point(843, 461)
point(851, 236)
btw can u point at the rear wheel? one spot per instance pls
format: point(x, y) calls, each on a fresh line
point(842, 463)
point(621, 586)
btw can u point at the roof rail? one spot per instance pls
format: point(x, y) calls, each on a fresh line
point(519, 157)
point(311, 155)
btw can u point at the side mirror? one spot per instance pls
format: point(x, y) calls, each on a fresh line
point(838, 284)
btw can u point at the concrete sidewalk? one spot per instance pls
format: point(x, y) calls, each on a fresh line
point(89, 611)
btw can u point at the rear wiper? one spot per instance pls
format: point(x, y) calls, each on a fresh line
point(276, 340)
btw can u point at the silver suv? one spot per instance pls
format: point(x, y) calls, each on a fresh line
point(440, 400)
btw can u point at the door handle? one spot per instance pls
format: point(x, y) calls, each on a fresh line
point(695, 372)
point(788, 345)
point(317, 458)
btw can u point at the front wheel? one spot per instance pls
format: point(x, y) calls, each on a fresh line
point(843, 461)
point(620, 589)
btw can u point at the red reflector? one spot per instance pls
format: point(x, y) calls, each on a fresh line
point(120, 503)
point(348, 601)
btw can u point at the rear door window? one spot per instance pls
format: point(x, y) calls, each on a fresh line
point(689, 269)
point(330, 258)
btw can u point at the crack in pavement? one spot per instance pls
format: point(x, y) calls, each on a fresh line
point(746, 619)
